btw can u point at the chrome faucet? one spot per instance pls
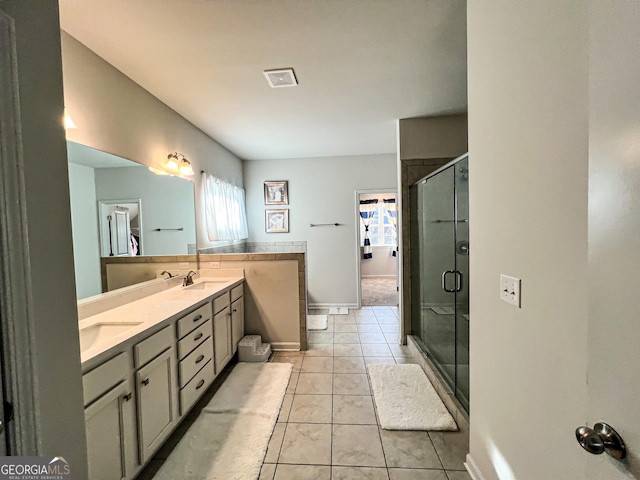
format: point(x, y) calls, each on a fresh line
point(168, 273)
point(188, 279)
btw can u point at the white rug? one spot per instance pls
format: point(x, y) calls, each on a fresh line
point(229, 439)
point(316, 322)
point(406, 400)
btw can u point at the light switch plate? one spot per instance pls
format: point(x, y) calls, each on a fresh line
point(214, 264)
point(510, 290)
point(184, 265)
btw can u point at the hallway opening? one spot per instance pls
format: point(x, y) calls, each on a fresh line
point(377, 248)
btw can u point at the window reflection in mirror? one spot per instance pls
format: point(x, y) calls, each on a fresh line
point(117, 207)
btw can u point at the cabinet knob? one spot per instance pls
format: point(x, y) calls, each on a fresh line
point(197, 318)
point(235, 310)
point(200, 358)
point(145, 382)
point(200, 384)
point(127, 397)
point(198, 337)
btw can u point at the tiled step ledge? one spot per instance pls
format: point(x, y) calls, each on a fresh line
point(452, 403)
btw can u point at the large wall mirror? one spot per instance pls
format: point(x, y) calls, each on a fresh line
point(120, 208)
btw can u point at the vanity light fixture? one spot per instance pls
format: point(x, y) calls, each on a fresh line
point(68, 121)
point(177, 162)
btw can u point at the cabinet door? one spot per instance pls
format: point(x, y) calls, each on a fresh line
point(156, 386)
point(106, 424)
point(222, 338)
point(237, 323)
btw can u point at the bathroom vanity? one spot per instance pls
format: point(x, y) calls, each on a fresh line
point(147, 362)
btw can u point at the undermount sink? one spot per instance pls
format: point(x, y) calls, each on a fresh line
point(101, 332)
point(207, 285)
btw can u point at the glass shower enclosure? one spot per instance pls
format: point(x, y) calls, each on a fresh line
point(440, 272)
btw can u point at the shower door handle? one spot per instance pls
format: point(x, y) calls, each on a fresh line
point(444, 281)
point(458, 281)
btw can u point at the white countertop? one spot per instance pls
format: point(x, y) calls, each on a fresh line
point(148, 312)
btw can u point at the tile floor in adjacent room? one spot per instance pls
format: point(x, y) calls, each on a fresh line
point(327, 428)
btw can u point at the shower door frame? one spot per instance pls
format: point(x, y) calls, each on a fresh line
point(418, 341)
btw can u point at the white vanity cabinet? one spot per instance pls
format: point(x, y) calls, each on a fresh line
point(222, 336)
point(228, 324)
point(237, 317)
point(195, 355)
point(110, 420)
point(136, 398)
point(156, 395)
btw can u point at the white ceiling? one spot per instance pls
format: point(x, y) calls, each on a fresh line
point(361, 65)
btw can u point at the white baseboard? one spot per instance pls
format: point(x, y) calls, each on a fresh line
point(472, 468)
point(285, 346)
point(329, 305)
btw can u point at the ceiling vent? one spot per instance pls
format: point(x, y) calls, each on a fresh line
point(281, 78)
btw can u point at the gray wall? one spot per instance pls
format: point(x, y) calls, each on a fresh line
point(528, 150)
point(56, 351)
point(116, 115)
point(166, 202)
point(321, 190)
point(433, 137)
point(86, 245)
point(383, 263)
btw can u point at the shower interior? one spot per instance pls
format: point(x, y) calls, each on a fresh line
point(440, 273)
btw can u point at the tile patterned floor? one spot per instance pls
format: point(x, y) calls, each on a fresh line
point(327, 428)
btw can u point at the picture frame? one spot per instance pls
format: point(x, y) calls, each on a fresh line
point(276, 193)
point(276, 220)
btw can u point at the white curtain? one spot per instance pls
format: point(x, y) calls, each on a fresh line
point(225, 211)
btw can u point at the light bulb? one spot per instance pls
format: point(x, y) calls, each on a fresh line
point(172, 162)
point(185, 167)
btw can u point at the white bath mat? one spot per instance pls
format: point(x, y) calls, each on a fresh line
point(316, 322)
point(406, 400)
point(229, 439)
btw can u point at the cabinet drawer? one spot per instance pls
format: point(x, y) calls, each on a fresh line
point(148, 349)
point(104, 377)
point(220, 302)
point(195, 338)
point(195, 361)
point(196, 387)
point(237, 292)
point(194, 319)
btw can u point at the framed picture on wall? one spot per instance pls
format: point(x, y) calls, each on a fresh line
point(275, 193)
point(276, 221)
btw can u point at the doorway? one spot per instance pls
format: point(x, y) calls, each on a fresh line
point(120, 226)
point(377, 246)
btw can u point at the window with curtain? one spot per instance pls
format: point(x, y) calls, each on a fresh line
point(225, 211)
point(381, 227)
